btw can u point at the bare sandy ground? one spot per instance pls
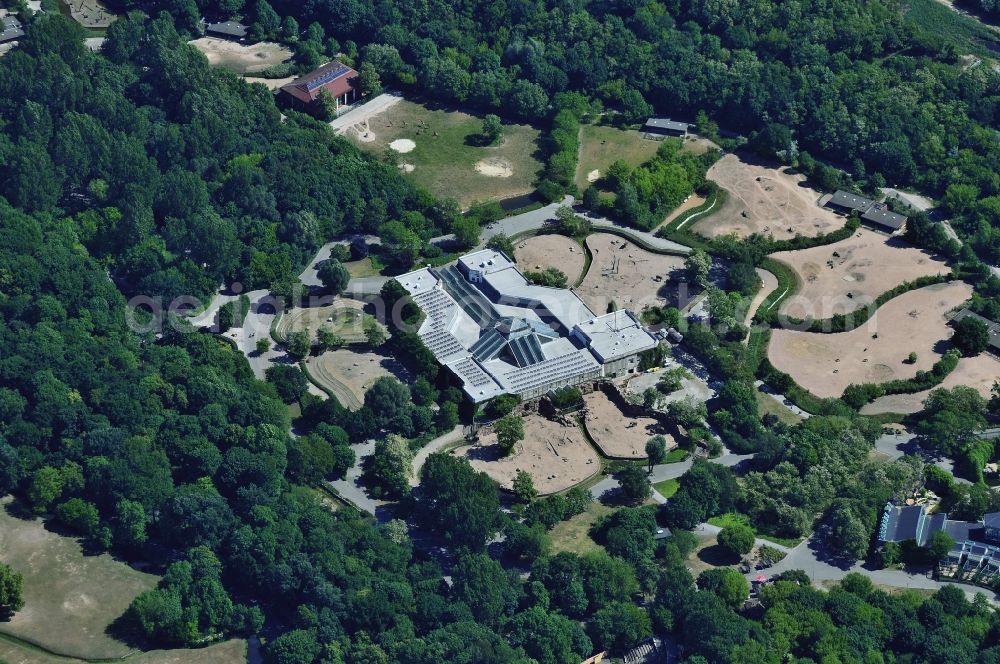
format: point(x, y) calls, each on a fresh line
point(350, 373)
point(544, 251)
point(494, 167)
point(825, 364)
point(765, 200)
point(976, 372)
point(625, 274)
point(619, 436)
point(693, 201)
point(557, 457)
point(769, 282)
point(269, 83)
point(241, 58)
point(849, 275)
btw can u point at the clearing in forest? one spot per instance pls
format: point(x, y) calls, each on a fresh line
point(765, 199)
point(241, 58)
point(70, 598)
point(618, 435)
point(624, 274)
point(440, 150)
point(600, 145)
point(541, 252)
point(848, 275)
point(877, 351)
point(556, 455)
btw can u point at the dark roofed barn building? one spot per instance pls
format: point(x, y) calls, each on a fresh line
point(994, 330)
point(227, 30)
point(868, 210)
point(11, 29)
point(339, 80)
point(665, 127)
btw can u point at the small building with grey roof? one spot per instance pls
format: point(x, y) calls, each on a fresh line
point(992, 327)
point(227, 30)
point(666, 127)
point(877, 214)
point(12, 29)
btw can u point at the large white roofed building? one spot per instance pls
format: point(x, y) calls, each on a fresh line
point(499, 334)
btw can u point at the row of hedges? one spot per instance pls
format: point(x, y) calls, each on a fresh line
point(715, 198)
point(563, 147)
point(803, 242)
point(788, 285)
point(857, 395)
point(857, 318)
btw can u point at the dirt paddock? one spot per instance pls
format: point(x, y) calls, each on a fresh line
point(850, 274)
point(767, 200)
point(978, 372)
point(539, 252)
point(241, 58)
point(876, 352)
point(619, 436)
point(69, 598)
point(624, 273)
point(349, 373)
point(557, 457)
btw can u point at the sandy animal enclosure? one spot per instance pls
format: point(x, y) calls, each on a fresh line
point(556, 456)
point(619, 436)
point(978, 372)
point(623, 273)
point(69, 598)
point(241, 58)
point(539, 252)
point(825, 364)
point(848, 275)
point(349, 373)
point(767, 200)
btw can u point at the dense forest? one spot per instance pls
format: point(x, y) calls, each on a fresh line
point(856, 84)
point(141, 170)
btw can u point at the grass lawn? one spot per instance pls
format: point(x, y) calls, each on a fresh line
point(601, 145)
point(361, 268)
point(667, 488)
point(733, 518)
point(675, 455)
point(70, 598)
point(767, 404)
point(572, 535)
point(446, 155)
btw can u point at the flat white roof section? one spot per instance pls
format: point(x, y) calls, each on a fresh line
point(615, 335)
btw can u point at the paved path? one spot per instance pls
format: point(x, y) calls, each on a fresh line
point(895, 445)
point(350, 487)
point(445, 439)
point(663, 244)
point(365, 111)
point(782, 399)
point(809, 557)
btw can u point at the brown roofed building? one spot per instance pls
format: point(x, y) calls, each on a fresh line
point(339, 80)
